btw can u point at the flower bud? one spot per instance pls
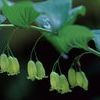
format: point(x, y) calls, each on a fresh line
point(85, 81)
point(72, 77)
point(40, 71)
point(13, 68)
point(4, 63)
point(32, 71)
point(17, 65)
point(64, 85)
point(79, 79)
point(54, 81)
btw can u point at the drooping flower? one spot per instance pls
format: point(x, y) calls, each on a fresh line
point(64, 85)
point(14, 67)
point(40, 70)
point(32, 71)
point(4, 63)
point(72, 77)
point(54, 81)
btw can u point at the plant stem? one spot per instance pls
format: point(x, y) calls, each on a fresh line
point(33, 49)
point(55, 64)
point(93, 51)
point(34, 27)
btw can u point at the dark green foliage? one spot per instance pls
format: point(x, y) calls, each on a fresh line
point(72, 36)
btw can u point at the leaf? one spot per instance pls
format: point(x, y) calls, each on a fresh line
point(2, 19)
point(73, 13)
point(20, 14)
point(72, 36)
point(96, 38)
point(1, 4)
point(53, 13)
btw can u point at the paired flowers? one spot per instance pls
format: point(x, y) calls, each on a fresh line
point(62, 85)
point(59, 83)
point(35, 70)
point(9, 64)
point(77, 78)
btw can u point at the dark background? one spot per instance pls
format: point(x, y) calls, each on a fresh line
point(19, 88)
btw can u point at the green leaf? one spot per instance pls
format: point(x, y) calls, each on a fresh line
point(2, 18)
point(72, 36)
point(1, 4)
point(96, 38)
point(20, 14)
point(73, 13)
point(53, 13)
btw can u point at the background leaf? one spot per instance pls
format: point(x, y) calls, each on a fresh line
point(72, 36)
point(96, 38)
point(73, 13)
point(56, 11)
point(21, 13)
point(1, 4)
point(2, 19)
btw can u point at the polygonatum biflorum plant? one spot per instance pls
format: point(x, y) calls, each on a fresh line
point(55, 20)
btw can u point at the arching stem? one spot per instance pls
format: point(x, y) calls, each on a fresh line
point(93, 51)
point(32, 26)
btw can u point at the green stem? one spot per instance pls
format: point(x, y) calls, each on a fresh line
point(33, 49)
point(93, 51)
point(77, 60)
point(55, 64)
point(33, 27)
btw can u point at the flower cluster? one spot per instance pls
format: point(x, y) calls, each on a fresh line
point(77, 78)
point(59, 83)
point(9, 64)
point(35, 70)
point(62, 85)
